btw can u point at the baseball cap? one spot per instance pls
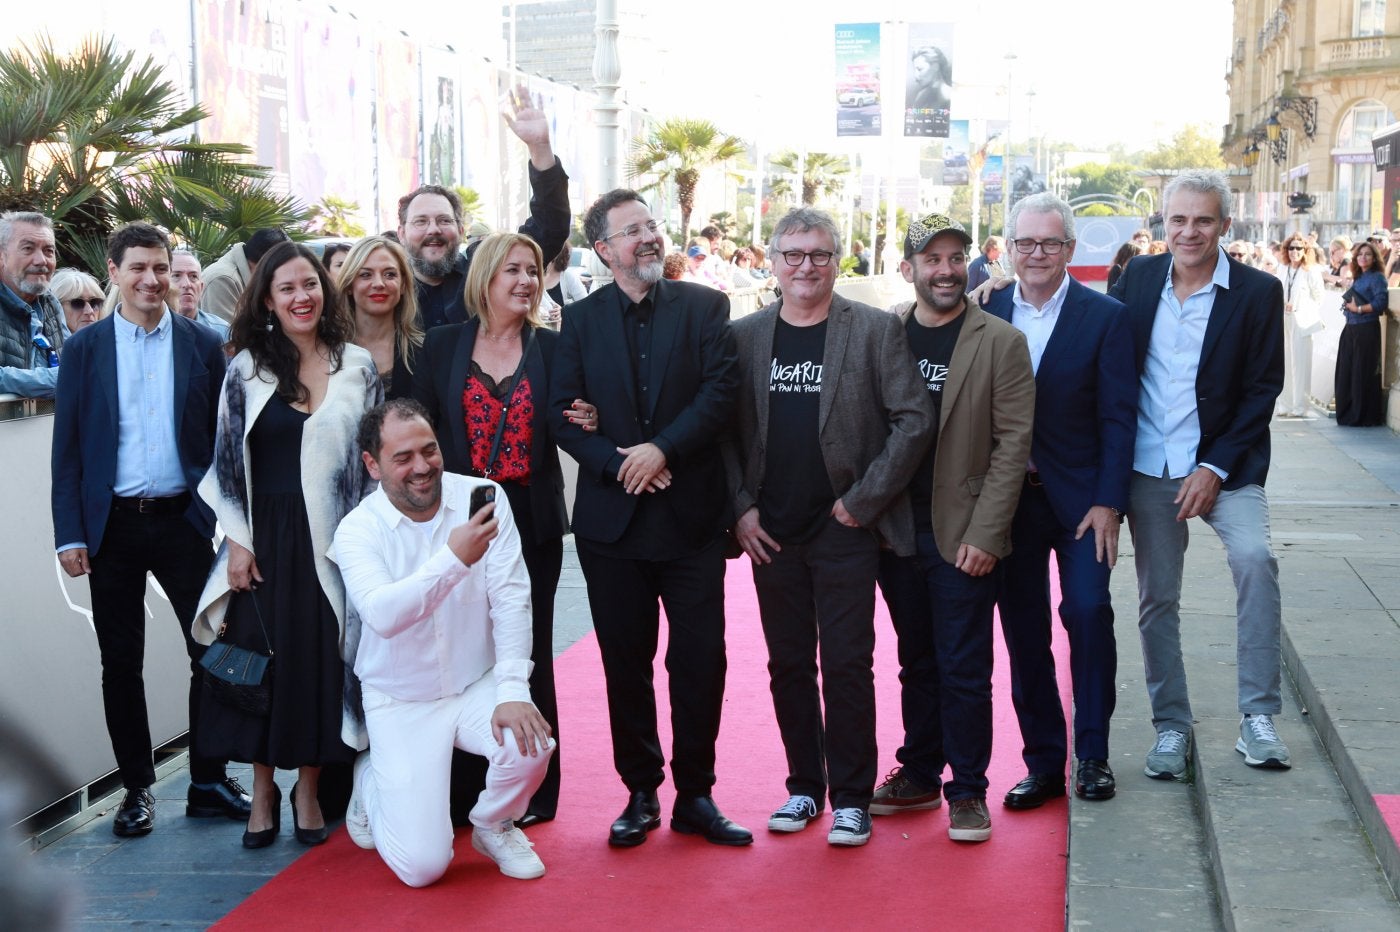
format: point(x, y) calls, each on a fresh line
point(694, 251)
point(923, 230)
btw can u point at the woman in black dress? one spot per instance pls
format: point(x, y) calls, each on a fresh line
point(1360, 399)
point(286, 470)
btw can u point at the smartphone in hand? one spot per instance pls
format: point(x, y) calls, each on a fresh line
point(482, 495)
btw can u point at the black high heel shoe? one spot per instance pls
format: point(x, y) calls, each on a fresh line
point(268, 835)
point(307, 836)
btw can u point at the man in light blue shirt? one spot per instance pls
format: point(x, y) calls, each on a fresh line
point(32, 329)
point(1208, 340)
point(186, 290)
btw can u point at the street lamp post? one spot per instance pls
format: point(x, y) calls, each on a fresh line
point(1006, 148)
point(607, 75)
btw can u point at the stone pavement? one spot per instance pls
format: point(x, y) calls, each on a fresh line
point(1237, 849)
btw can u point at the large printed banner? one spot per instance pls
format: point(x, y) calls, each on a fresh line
point(991, 180)
point(928, 80)
point(243, 79)
point(441, 119)
point(957, 153)
point(396, 125)
point(858, 79)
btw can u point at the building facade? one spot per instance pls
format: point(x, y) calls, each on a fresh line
point(1310, 82)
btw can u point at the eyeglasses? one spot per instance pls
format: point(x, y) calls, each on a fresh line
point(77, 304)
point(821, 258)
point(1051, 247)
point(422, 223)
point(1236, 255)
point(634, 231)
point(1295, 249)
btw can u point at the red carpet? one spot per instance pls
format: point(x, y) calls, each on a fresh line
point(910, 874)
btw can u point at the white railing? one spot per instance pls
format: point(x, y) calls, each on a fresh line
point(1349, 51)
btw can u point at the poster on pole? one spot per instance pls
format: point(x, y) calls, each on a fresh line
point(991, 180)
point(858, 79)
point(956, 154)
point(928, 82)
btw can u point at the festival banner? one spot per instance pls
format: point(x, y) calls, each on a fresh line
point(1025, 180)
point(928, 79)
point(441, 118)
point(991, 180)
point(858, 79)
point(481, 129)
point(396, 125)
point(957, 152)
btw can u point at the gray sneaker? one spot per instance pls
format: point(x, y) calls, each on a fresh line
point(1167, 759)
point(1260, 744)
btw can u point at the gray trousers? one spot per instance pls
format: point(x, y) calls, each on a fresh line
point(1241, 519)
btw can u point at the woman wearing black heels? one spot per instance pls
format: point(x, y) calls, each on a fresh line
point(286, 470)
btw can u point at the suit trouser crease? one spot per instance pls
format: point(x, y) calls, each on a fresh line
point(170, 548)
point(623, 597)
point(1240, 518)
point(817, 602)
point(406, 787)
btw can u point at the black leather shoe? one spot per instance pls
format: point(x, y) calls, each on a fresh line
point(1094, 780)
point(1035, 791)
point(643, 813)
point(698, 815)
point(226, 799)
point(136, 815)
point(307, 836)
point(532, 818)
point(268, 835)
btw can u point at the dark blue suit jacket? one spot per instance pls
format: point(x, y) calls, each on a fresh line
point(1086, 393)
point(1241, 369)
point(86, 418)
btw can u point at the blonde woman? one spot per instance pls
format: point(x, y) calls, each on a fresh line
point(376, 286)
point(80, 296)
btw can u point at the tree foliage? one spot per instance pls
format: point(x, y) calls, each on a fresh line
point(96, 138)
point(823, 175)
point(676, 151)
point(1193, 146)
point(334, 216)
point(1095, 178)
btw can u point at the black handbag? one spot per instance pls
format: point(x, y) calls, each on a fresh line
point(238, 676)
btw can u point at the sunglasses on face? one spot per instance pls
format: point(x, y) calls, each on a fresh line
point(77, 304)
point(1236, 255)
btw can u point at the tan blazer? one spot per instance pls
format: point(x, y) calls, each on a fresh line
point(875, 418)
point(984, 436)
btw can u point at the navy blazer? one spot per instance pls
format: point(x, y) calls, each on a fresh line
point(1086, 393)
point(694, 386)
point(1241, 368)
point(440, 371)
point(86, 418)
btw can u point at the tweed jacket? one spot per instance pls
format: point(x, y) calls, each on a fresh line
point(333, 479)
point(875, 419)
point(984, 436)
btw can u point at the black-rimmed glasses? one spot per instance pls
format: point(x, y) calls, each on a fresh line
point(1051, 247)
point(794, 257)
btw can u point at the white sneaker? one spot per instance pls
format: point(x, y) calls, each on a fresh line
point(356, 815)
point(1260, 744)
point(513, 853)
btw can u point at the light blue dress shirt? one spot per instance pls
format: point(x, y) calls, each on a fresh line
point(1169, 430)
point(148, 460)
point(215, 324)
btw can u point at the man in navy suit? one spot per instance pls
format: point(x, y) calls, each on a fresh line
point(658, 359)
point(1072, 503)
point(1208, 343)
point(133, 434)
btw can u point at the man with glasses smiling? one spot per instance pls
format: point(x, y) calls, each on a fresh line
point(831, 423)
point(657, 358)
point(31, 322)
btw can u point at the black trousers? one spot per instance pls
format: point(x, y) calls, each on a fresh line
point(543, 562)
point(623, 596)
point(818, 599)
point(1357, 385)
point(169, 547)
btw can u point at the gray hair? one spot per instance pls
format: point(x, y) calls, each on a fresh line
point(70, 282)
point(1201, 181)
point(802, 219)
point(1042, 203)
point(11, 217)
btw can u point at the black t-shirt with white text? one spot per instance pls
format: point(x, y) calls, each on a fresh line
point(933, 350)
point(796, 497)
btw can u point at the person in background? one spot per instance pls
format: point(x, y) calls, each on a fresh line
point(1120, 261)
point(981, 268)
point(1143, 238)
point(1302, 304)
point(226, 277)
point(32, 327)
point(376, 288)
point(287, 470)
point(741, 269)
point(1337, 274)
point(1157, 248)
point(562, 281)
point(675, 267)
point(862, 266)
point(80, 295)
point(186, 290)
point(1360, 398)
point(333, 258)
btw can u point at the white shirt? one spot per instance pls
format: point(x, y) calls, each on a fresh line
point(432, 626)
point(1169, 429)
point(1037, 323)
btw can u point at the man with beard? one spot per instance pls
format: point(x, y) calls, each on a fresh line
point(443, 602)
point(827, 436)
point(431, 225)
point(978, 375)
point(31, 322)
point(657, 358)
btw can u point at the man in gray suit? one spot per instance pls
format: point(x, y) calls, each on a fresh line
point(831, 423)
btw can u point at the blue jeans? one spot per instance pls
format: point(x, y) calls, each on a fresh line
point(943, 619)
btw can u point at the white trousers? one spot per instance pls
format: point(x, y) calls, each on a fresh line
point(405, 788)
point(1297, 369)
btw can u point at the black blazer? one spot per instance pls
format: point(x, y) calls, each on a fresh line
point(695, 385)
point(1241, 369)
point(86, 416)
point(440, 371)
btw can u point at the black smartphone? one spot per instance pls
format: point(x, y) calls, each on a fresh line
point(482, 495)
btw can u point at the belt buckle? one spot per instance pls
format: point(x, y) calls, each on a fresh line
point(1033, 480)
point(141, 504)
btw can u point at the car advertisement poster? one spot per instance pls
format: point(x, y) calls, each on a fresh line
point(928, 80)
point(956, 153)
point(858, 79)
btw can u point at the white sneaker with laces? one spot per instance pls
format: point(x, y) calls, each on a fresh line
point(356, 816)
point(1260, 744)
point(513, 853)
point(849, 827)
point(793, 815)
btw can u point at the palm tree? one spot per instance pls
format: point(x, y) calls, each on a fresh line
point(95, 138)
point(334, 216)
point(823, 174)
point(676, 151)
